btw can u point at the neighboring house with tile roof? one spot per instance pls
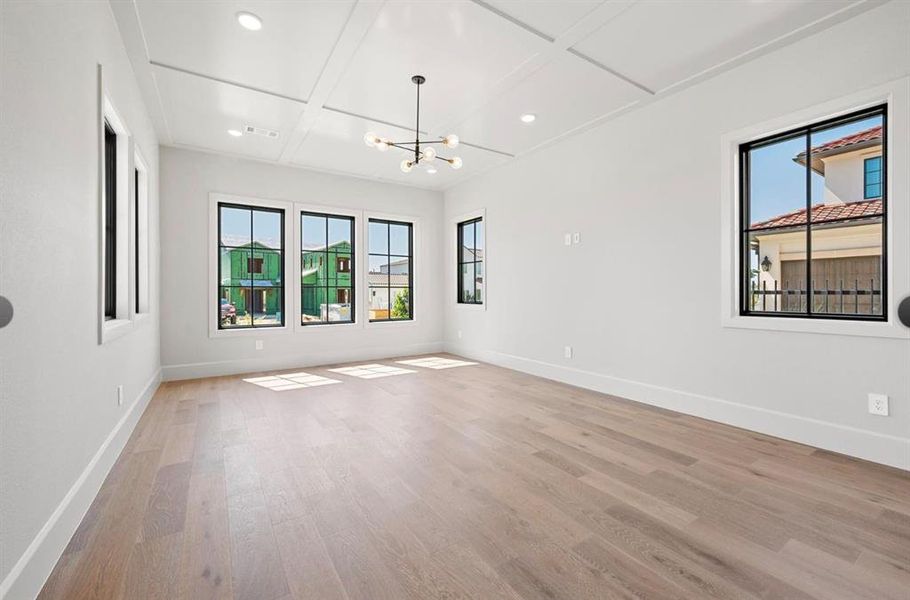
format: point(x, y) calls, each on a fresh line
point(846, 226)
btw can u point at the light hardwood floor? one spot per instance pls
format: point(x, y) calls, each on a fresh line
point(474, 482)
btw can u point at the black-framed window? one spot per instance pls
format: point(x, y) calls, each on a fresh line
point(250, 296)
point(812, 232)
point(136, 233)
point(470, 261)
point(872, 177)
point(391, 270)
point(327, 285)
point(110, 222)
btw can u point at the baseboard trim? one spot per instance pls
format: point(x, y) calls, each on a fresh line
point(31, 571)
point(888, 450)
point(272, 363)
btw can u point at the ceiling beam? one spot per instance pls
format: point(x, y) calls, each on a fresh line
point(359, 22)
point(556, 48)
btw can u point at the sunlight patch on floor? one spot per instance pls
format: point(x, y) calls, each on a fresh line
point(436, 362)
point(291, 381)
point(371, 371)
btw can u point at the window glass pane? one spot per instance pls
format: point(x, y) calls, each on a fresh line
point(467, 242)
point(266, 306)
point(379, 270)
point(478, 282)
point(399, 239)
point(339, 308)
point(399, 269)
point(228, 307)
point(267, 228)
point(234, 262)
point(266, 266)
point(400, 303)
point(312, 299)
point(236, 224)
point(340, 232)
point(379, 237)
point(777, 181)
point(240, 299)
point(776, 277)
point(467, 282)
point(847, 267)
point(379, 303)
point(313, 233)
point(839, 163)
point(478, 238)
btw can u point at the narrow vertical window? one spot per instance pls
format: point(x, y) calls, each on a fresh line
point(136, 234)
point(872, 177)
point(390, 274)
point(326, 269)
point(814, 209)
point(470, 262)
point(110, 222)
point(250, 266)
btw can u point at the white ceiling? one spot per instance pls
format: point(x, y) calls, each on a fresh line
point(322, 73)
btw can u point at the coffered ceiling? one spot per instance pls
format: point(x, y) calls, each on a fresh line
point(323, 72)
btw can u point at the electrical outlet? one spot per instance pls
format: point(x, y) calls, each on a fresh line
point(567, 352)
point(878, 404)
point(576, 238)
point(568, 239)
point(459, 334)
point(119, 395)
point(259, 345)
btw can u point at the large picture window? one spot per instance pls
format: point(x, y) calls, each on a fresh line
point(250, 266)
point(326, 268)
point(813, 217)
point(390, 275)
point(470, 261)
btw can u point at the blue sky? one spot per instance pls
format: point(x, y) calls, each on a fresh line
point(778, 184)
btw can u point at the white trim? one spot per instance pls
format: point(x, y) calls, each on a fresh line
point(111, 329)
point(452, 242)
point(30, 572)
point(897, 96)
point(416, 266)
point(868, 445)
point(272, 363)
point(356, 277)
point(213, 283)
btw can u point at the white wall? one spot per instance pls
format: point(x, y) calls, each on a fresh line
point(60, 425)
point(644, 191)
point(187, 178)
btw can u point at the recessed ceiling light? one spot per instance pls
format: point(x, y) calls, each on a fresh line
point(249, 21)
point(528, 118)
point(235, 132)
point(431, 170)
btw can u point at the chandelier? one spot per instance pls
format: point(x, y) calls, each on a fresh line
point(426, 154)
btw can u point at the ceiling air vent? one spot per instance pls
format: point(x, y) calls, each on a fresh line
point(249, 129)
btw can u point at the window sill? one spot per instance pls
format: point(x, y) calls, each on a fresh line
point(327, 326)
point(115, 328)
point(471, 306)
point(227, 333)
point(891, 329)
point(392, 324)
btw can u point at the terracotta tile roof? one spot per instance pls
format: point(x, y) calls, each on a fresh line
point(822, 213)
point(867, 135)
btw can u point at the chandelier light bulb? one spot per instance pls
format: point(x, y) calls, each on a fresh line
point(382, 145)
point(429, 154)
point(456, 162)
point(450, 141)
point(370, 138)
point(406, 166)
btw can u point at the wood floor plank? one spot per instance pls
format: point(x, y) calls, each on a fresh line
point(474, 482)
